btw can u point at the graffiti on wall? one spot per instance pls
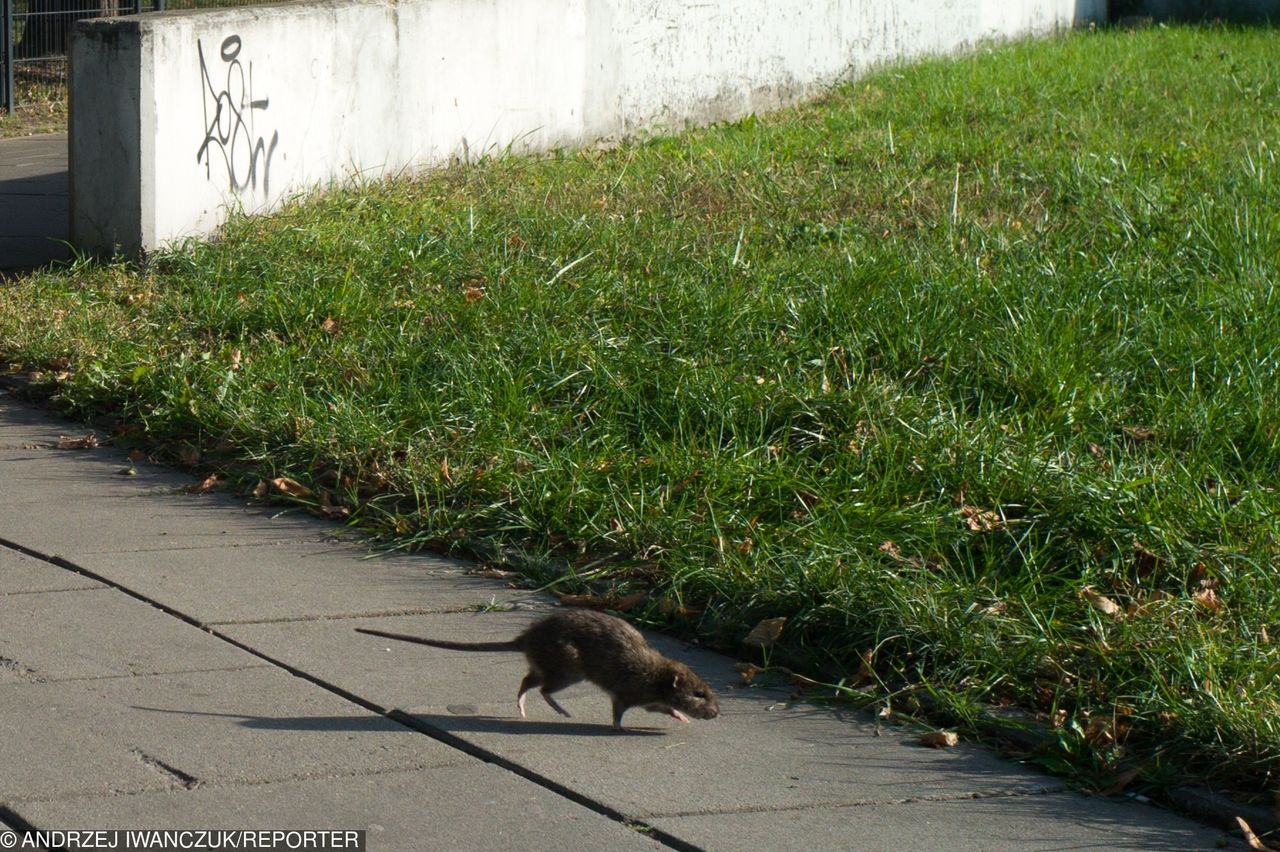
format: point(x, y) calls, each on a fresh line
point(230, 128)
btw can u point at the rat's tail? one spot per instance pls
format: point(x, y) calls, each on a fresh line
point(441, 643)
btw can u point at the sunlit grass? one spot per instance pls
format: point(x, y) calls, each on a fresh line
point(969, 367)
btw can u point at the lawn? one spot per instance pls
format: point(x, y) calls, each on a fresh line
point(968, 370)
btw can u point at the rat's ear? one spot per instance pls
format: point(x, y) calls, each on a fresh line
point(678, 681)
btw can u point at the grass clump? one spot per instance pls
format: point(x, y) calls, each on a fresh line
point(968, 369)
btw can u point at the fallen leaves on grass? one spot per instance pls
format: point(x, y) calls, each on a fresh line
point(765, 633)
point(1122, 780)
point(981, 520)
point(1138, 434)
point(86, 442)
point(329, 509)
point(1146, 563)
point(1209, 601)
point(670, 606)
point(618, 604)
point(280, 485)
point(1101, 602)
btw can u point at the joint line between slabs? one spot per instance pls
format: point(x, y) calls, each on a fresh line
point(397, 716)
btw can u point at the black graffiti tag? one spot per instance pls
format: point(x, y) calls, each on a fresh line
point(229, 128)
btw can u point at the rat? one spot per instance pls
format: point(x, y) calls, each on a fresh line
point(573, 645)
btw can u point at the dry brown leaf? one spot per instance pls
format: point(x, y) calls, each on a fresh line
point(1263, 637)
point(204, 486)
point(1196, 576)
point(236, 358)
point(628, 602)
point(765, 633)
point(330, 326)
point(981, 520)
point(261, 489)
point(1095, 450)
point(669, 606)
point(292, 487)
point(445, 473)
point(745, 545)
point(865, 669)
point(473, 293)
point(1249, 837)
point(492, 573)
point(1101, 602)
point(87, 442)
point(1137, 434)
point(748, 672)
point(1145, 562)
point(1098, 732)
point(136, 455)
point(940, 739)
point(329, 509)
point(588, 601)
point(891, 548)
point(1209, 600)
point(1122, 780)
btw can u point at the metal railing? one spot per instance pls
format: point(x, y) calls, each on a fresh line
point(33, 44)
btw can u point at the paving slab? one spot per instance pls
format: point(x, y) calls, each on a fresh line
point(25, 426)
point(298, 581)
point(472, 806)
point(104, 633)
point(21, 574)
point(1046, 822)
point(29, 156)
point(35, 205)
point(72, 502)
point(800, 754)
point(793, 772)
point(31, 214)
point(121, 735)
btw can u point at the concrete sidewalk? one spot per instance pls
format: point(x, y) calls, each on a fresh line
point(34, 203)
point(170, 660)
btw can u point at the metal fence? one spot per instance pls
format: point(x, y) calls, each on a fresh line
point(33, 44)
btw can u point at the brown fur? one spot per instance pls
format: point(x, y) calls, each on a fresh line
point(573, 645)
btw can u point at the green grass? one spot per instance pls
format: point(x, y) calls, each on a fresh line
point(937, 368)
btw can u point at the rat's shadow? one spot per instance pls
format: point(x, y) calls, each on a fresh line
point(446, 723)
point(452, 724)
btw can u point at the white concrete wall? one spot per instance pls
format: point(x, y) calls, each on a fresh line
point(179, 117)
